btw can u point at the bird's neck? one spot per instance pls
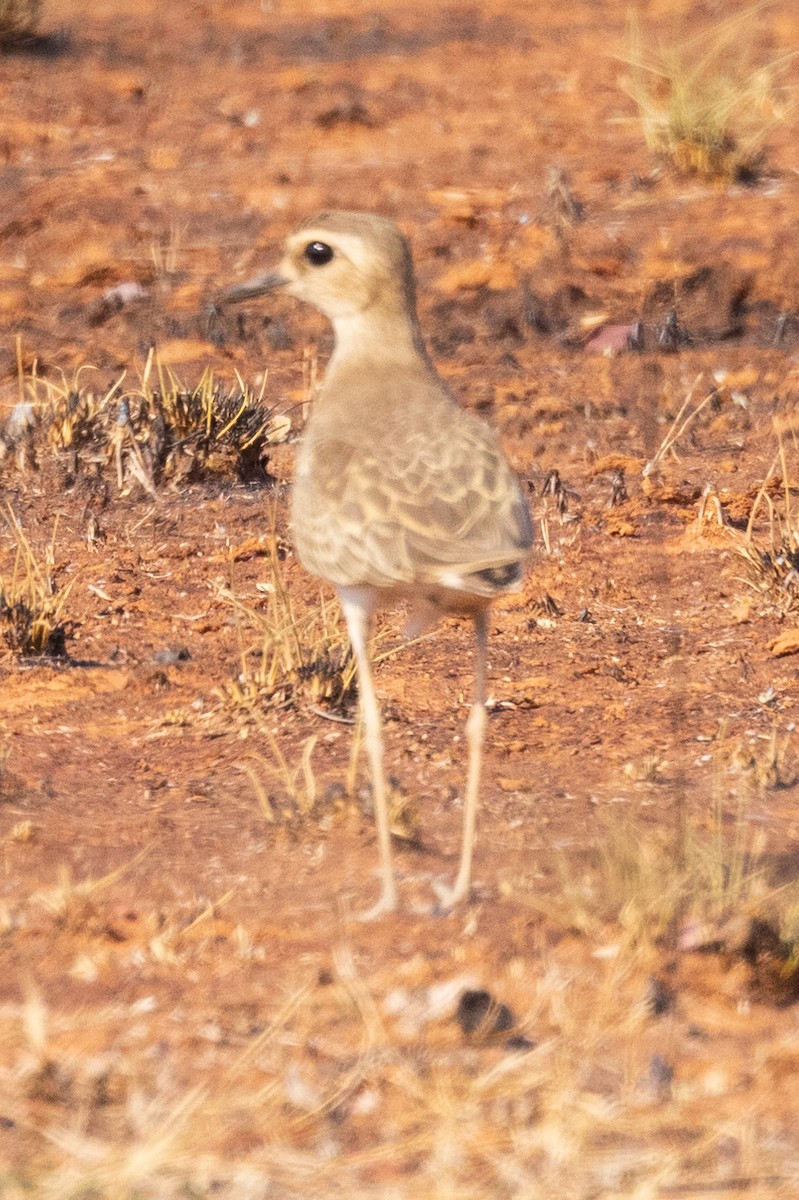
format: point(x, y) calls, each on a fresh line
point(382, 336)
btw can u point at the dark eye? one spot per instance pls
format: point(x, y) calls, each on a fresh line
point(318, 253)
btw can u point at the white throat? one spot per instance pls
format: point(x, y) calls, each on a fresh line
point(375, 334)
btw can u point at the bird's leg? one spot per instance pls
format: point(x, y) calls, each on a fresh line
point(357, 617)
point(475, 733)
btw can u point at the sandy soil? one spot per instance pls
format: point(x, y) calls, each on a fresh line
point(188, 1004)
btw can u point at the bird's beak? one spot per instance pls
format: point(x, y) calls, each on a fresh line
point(261, 285)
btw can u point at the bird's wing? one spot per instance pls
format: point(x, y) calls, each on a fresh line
point(399, 506)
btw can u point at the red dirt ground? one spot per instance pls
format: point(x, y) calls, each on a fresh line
point(188, 1005)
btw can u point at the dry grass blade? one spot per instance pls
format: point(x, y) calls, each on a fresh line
point(703, 102)
point(298, 783)
point(31, 605)
point(166, 252)
point(774, 566)
point(679, 425)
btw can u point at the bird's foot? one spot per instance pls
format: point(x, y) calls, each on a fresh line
point(448, 897)
point(386, 904)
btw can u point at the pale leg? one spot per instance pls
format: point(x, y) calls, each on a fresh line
point(357, 614)
point(475, 733)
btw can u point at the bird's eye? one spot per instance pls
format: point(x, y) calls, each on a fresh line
point(318, 253)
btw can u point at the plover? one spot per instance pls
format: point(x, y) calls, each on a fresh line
point(400, 496)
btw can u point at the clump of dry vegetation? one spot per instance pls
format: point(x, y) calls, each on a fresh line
point(774, 569)
point(772, 554)
point(161, 431)
point(18, 19)
point(32, 606)
point(706, 104)
point(690, 885)
point(290, 658)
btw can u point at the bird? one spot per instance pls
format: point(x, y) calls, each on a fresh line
point(401, 496)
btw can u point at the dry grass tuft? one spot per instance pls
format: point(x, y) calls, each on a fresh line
point(772, 556)
point(32, 606)
point(161, 431)
point(298, 784)
point(293, 659)
point(687, 884)
point(688, 412)
point(705, 104)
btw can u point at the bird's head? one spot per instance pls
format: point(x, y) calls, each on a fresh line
point(345, 264)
